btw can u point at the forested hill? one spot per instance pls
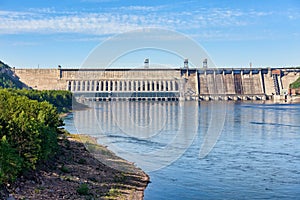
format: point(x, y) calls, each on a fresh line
point(295, 84)
point(8, 79)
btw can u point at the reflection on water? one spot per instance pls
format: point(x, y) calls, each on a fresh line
point(151, 134)
point(256, 156)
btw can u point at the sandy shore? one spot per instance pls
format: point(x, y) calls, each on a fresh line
point(75, 173)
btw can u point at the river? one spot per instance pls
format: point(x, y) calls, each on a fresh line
point(206, 150)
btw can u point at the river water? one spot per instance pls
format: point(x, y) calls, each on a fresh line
point(207, 150)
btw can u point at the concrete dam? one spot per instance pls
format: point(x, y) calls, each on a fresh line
point(164, 84)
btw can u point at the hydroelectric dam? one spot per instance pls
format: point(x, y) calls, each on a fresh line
point(164, 84)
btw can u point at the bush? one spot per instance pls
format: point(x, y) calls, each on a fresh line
point(83, 189)
point(10, 162)
point(62, 100)
point(65, 169)
point(28, 129)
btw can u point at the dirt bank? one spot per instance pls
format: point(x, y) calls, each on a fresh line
point(75, 173)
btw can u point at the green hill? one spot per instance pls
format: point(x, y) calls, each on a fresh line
point(8, 78)
point(296, 84)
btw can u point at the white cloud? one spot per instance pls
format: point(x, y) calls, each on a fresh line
point(118, 20)
point(140, 8)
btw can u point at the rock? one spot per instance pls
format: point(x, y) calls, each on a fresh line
point(10, 197)
point(3, 193)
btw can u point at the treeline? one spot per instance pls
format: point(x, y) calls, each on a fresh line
point(62, 100)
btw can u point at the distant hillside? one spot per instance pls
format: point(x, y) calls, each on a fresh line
point(8, 79)
point(296, 84)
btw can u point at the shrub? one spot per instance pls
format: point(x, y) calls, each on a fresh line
point(10, 162)
point(62, 100)
point(65, 169)
point(83, 189)
point(28, 133)
point(295, 84)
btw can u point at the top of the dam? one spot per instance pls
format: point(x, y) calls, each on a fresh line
point(217, 69)
point(179, 68)
point(163, 67)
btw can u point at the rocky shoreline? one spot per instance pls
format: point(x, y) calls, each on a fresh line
point(75, 173)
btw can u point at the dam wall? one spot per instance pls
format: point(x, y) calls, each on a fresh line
point(230, 82)
point(164, 84)
point(41, 79)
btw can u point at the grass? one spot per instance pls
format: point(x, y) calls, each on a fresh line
point(112, 193)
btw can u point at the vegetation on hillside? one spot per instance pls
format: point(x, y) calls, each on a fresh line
point(28, 133)
point(295, 84)
point(3, 65)
point(62, 100)
point(8, 79)
point(29, 122)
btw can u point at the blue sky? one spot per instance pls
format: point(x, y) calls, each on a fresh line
point(47, 33)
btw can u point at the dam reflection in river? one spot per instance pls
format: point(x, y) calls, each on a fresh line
point(151, 134)
point(256, 156)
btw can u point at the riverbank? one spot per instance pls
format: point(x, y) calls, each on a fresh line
point(295, 99)
point(75, 173)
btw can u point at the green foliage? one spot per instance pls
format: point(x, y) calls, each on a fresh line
point(83, 189)
point(62, 100)
point(7, 79)
point(28, 129)
point(296, 84)
point(10, 161)
point(65, 169)
point(82, 161)
point(112, 193)
point(29, 123)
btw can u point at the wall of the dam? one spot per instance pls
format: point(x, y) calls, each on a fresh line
point(234, 82)
point(41, 79)
point(192, 83)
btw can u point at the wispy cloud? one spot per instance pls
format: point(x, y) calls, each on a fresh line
point(121, 19)
point(25, 43)
point(140, 8)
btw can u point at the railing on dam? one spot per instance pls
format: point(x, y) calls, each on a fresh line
point(131, 96)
